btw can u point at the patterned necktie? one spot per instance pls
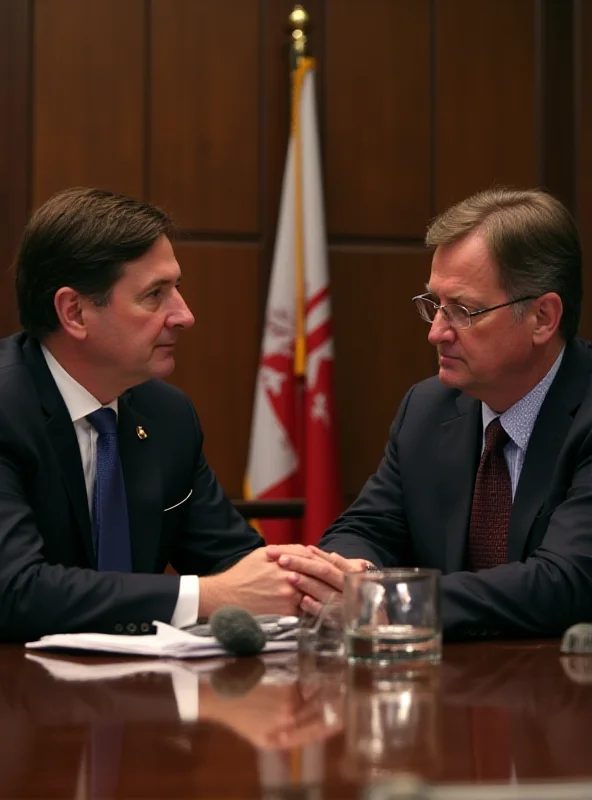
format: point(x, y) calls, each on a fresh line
point(110, 520)
point(492, 503)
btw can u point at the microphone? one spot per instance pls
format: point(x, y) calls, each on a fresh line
point(238, 632)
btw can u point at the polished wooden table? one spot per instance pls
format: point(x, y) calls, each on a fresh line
point(280, 727)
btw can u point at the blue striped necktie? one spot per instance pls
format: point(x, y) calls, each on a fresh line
point(109, 512)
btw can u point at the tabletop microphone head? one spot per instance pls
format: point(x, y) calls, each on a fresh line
point(237, 631)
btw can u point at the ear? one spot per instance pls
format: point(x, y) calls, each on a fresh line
point(69, 305)
point(548, 310)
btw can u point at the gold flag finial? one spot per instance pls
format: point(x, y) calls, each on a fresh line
point(298, 20)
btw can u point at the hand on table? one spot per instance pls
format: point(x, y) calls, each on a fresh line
point(256, 583)
point(317, 575)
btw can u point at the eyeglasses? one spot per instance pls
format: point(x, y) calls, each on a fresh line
point(456, 315)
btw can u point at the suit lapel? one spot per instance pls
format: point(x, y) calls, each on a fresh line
point(143, 483)
point(548, 436)
point(62, 436)
point(459, 448)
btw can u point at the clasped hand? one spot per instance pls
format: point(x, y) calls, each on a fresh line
point(284, 578)
point(315, 574)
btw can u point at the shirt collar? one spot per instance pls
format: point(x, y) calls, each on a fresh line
point(79, 401)
point(518, 421)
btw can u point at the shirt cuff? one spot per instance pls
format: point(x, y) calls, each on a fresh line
point(187, 608)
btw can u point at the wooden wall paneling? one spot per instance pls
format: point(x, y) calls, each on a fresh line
point(14, 145)
point(378, 117)
point(381, 348)
point(583, 165)
point(217, 358)
point(204, 113)
point(486, 109)
point(557, 131)
point(88, 108)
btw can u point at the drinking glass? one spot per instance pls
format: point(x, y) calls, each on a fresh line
point(393, 615)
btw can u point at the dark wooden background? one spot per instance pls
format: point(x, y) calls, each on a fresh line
point(186, 103)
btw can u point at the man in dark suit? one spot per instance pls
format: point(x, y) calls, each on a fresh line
point(102, 476)
point(507, 518)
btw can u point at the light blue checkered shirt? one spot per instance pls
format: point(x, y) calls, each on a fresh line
point(518, 422)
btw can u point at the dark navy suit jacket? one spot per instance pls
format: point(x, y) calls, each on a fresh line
point(415, 510)
point(48, 577)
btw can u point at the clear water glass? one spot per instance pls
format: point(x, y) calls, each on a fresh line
point(393, 616)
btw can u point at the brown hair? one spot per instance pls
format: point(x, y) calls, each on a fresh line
point(532, 238)
point(80, 238)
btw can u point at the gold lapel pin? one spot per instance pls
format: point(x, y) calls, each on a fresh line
point(141, 432)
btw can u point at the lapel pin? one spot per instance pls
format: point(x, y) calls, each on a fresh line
point(141, 432)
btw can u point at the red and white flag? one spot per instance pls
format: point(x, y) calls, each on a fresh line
point(293, 448)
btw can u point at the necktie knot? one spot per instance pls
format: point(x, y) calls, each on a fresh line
point(104, 420)
point(495, 436)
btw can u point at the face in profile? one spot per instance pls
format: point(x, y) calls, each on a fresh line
point(133, 336)
point(496, 349)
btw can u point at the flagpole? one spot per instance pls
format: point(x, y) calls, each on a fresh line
point(298, 21)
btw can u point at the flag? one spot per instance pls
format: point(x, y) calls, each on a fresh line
point(293, 448)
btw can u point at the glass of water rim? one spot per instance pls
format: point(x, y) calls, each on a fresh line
point(393, 615)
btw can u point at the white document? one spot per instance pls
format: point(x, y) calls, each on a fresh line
point(167, 642)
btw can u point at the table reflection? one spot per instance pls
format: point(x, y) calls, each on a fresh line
point(280, 726)
point(392, 722)
point(503, 713)
point(92, 726)
point(521, 713)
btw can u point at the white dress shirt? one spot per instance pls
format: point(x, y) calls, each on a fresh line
point(80, 403)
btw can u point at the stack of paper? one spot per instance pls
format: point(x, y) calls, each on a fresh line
point(167, 642)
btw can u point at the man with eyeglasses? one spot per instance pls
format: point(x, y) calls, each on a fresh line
point(487, 474)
